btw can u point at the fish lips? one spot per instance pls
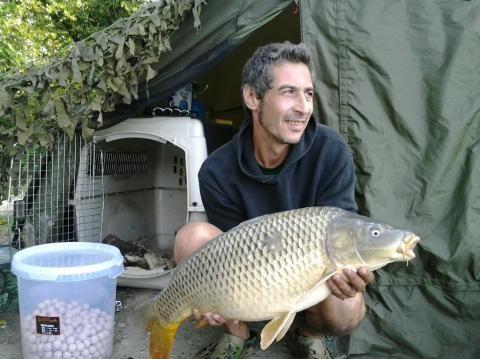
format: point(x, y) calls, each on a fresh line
point(408, 245)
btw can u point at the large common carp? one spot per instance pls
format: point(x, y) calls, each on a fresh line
point(271, 267)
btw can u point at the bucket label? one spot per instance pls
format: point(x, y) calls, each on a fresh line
point(48, 325)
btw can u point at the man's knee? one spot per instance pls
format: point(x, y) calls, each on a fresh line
point(191, 237)
point(342, 320)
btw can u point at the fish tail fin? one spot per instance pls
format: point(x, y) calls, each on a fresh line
point(162, 336)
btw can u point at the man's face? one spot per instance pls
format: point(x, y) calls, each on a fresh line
point(285, 109)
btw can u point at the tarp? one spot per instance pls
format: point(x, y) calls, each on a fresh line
point(400, 80)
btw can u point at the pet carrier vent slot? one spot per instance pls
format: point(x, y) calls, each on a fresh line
point(178, 168)
point(118, 163)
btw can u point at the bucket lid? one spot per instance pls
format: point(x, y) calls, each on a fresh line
point(68, 261)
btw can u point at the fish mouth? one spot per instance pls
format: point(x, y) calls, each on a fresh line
point(408, 245)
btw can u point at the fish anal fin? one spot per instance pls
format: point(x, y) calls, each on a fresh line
point(285, 327)
point(162, 337)
point(276, 329)
point(201, 323)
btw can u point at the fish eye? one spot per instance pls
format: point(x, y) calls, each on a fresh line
point(375, 232)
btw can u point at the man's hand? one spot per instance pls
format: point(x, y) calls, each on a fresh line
point(350, 283)
point(211, 318)
point(234, 327)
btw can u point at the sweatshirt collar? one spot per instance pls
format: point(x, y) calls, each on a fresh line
point(246, 157)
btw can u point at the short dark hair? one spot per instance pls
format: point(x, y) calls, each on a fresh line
point(257, 70)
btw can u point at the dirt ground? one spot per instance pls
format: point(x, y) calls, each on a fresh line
point(130, 341)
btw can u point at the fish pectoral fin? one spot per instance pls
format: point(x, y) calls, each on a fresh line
point(276, 329)
point(315, 295)
point(162, 336)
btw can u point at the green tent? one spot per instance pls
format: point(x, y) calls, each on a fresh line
point(400, 80)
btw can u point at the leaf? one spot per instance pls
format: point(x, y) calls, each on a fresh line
point(166, 44)
point(77, 76)
point(116, 83)
point(96, 104)
point(23, 136)
point(141, 29)
point(100, 118)
point(63, 119)
point(101, 85)
point(86, 131)
point(47, 110)
point(5, 99)
point(122, 90)
point(155, 19)
point(151, 73)
point(133, 30)
point(44, 138)
point(122, 66)
point(86, 53)
point(119, 53)
point(131, 46)
point(152, 29)
point(70, 130)
point(101, 38)
point(99, 56)
point(117, 38)
point(133, 80)
point(20, 120)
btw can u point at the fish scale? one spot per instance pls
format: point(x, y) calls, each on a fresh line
point(271, 267)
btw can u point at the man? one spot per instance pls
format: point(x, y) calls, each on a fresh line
point(280, 159)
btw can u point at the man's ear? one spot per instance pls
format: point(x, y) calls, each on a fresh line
point(249, 98)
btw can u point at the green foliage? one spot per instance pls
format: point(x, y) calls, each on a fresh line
point(34, 31)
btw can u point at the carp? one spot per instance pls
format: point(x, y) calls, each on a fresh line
point(271, 267)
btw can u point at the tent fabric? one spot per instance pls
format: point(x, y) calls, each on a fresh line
point(400, 80)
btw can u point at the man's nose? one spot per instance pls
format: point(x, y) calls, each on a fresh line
point(302, 103)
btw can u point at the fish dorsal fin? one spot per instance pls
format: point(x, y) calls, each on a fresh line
point(276, 329)
point(253, 220)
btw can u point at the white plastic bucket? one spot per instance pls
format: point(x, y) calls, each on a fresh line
point(67, 298)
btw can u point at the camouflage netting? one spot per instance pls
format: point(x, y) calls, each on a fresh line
point(101, 72)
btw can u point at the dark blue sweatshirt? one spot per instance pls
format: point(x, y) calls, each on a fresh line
point(318, 171)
